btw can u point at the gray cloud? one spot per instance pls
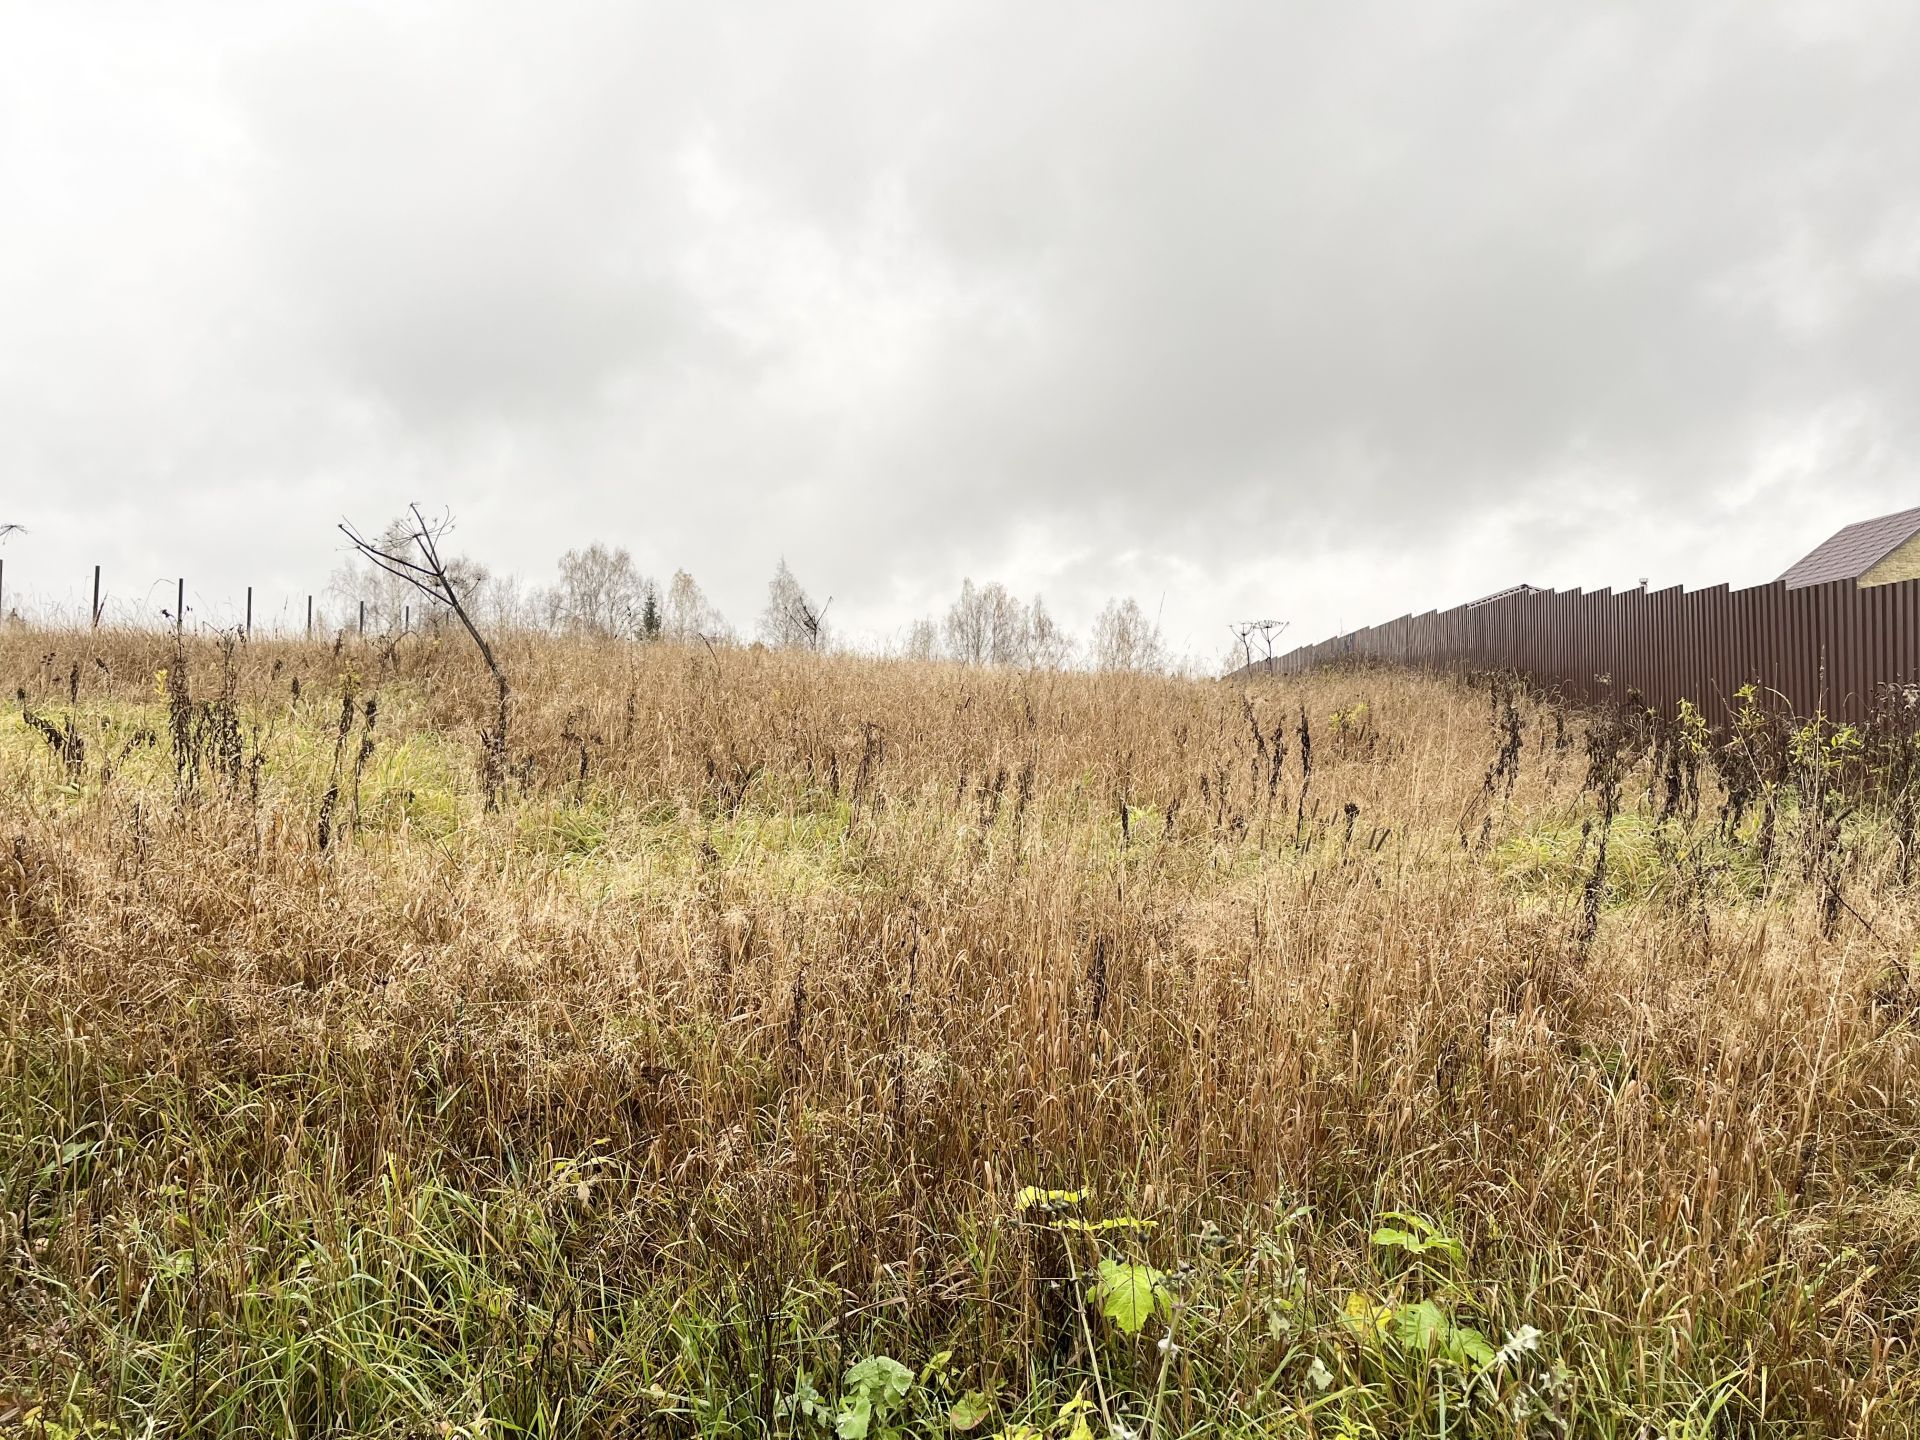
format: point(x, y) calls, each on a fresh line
point(1320, 310)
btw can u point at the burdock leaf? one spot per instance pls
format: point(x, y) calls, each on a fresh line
point(1470, 1347)
point(1129, 1294)
point(854, 1418)
point(970, 1411)
point(1421, 1326)
point(880, 1375)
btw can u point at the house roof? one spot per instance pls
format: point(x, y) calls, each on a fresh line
point(1850, 553)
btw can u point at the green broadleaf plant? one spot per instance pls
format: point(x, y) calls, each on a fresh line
point(1129, 1294)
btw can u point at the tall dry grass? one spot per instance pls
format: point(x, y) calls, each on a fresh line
point(718, 1060)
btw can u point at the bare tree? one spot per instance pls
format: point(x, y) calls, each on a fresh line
point(417, 562)
point(923, 641)
point(501, 603)
point(600, 592)
point(689, 616)
point(1124, 639)
point(791, 619)
point(988, 625)
point(966, 626)
point(1047, 646)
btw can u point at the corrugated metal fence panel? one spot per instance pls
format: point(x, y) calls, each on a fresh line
point(1906, 631)
point(1713, 652)
point(1831, 647)
point(1837, 637)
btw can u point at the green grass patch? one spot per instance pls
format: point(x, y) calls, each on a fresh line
point(1648, 861)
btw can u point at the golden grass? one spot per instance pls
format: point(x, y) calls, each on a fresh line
point(718, 1059)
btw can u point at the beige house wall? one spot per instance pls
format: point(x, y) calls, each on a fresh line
point(1902, 564)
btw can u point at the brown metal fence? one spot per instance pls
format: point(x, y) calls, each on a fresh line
point(1827, 647)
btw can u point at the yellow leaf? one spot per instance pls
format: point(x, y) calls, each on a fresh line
point(1076, 1410)
point(1366, 1316)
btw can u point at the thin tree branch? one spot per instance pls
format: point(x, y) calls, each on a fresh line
point(429, 576)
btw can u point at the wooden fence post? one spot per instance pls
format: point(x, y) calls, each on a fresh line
point(180, 606)
point(93, 616)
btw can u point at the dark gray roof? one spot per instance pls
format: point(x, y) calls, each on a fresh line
point(1855, 550)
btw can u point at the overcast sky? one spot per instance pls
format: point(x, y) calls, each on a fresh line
point(1318, 311)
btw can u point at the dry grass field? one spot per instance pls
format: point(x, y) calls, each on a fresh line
point(825, 1046)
